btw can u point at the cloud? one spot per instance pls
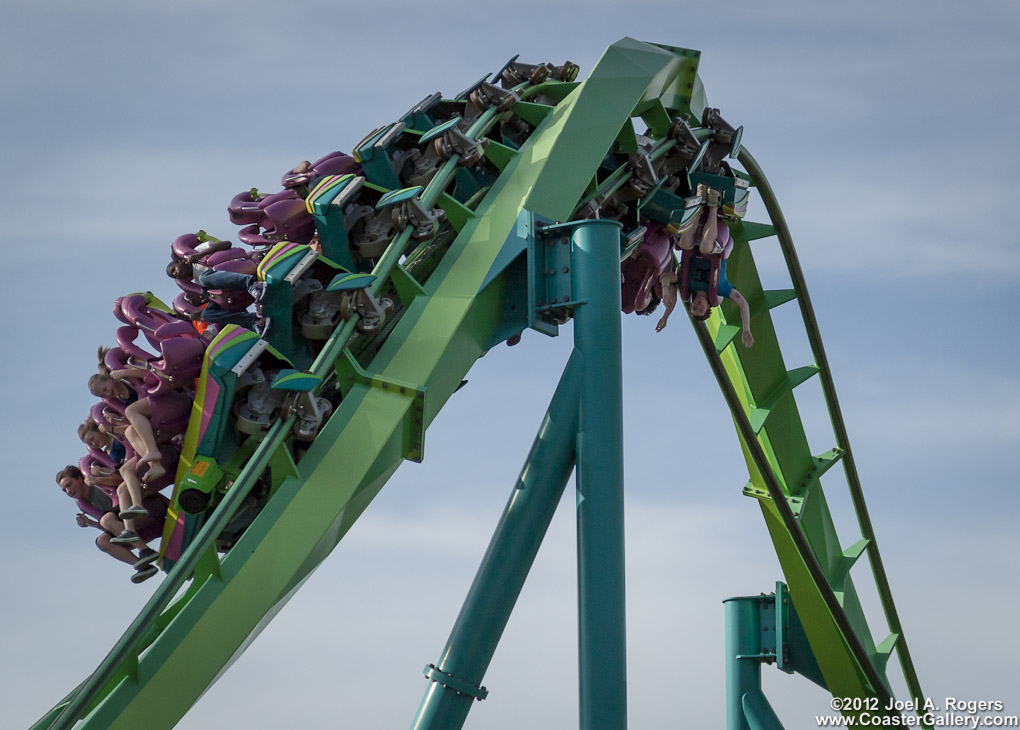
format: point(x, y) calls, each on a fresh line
point(855, 226)
point(942, 408)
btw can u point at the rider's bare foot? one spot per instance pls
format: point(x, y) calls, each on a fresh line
point(154, 472)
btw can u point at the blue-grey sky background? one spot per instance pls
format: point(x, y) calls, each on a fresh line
point(888, 130)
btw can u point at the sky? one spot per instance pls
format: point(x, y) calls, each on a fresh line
point(887, 131)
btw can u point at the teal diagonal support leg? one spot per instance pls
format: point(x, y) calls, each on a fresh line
point(602, 641)
point(456, 678)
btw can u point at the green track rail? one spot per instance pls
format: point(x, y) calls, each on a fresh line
point(786, 476)
point(210, 607)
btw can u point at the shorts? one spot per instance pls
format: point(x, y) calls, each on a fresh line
point(151, 527)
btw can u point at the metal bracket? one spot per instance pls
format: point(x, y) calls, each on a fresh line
point(780, 635)
point(449, 139)
point(643, 176)
point(725, 133)
point(689, 147)
point(631, 242)
point(550, 263)
point(460, 686)
point(372, 311)
point(487, 95)
point(408, 210)
point(514, 73)
point(249, 357)
point(772, 649)
point(311, 411)
point(350, 373)
point(538, 259)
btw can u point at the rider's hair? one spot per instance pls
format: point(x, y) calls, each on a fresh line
point(102, 367)
point(87, 427)
point(69, 471)
point(179, 270)
point(97, 379)
point(708, 307)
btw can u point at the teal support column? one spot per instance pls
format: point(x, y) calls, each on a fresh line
point(743, 639)
point(456, 678)
point(602, 644)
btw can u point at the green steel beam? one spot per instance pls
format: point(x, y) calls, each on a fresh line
point(835, 413)
point(784, 474)
point(848, 673)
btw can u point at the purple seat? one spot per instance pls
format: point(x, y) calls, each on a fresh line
point(181, 362)
point(99, 459)
point(281, 216)
point(252, 236)
point(244, 209)
point(105, 414)
point(169, 456)
point(231, 259)
point(117, 359)
point(335, 163)
point(184, 305)
point(171, 412)
point(641, 271)
point(137, 356)
point(138, 313)
point(184, 246)
point(289, 220)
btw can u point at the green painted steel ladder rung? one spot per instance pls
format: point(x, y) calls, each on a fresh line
point(850, 556)
point(750, 490)
point(768, 301)
point(498, 154)
point(532, 112)
point(750, 231)
point(726, 334)
point(457, 213)
point(759, 414)
point(820, 464)
point(771, 299)
point(884, 650)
